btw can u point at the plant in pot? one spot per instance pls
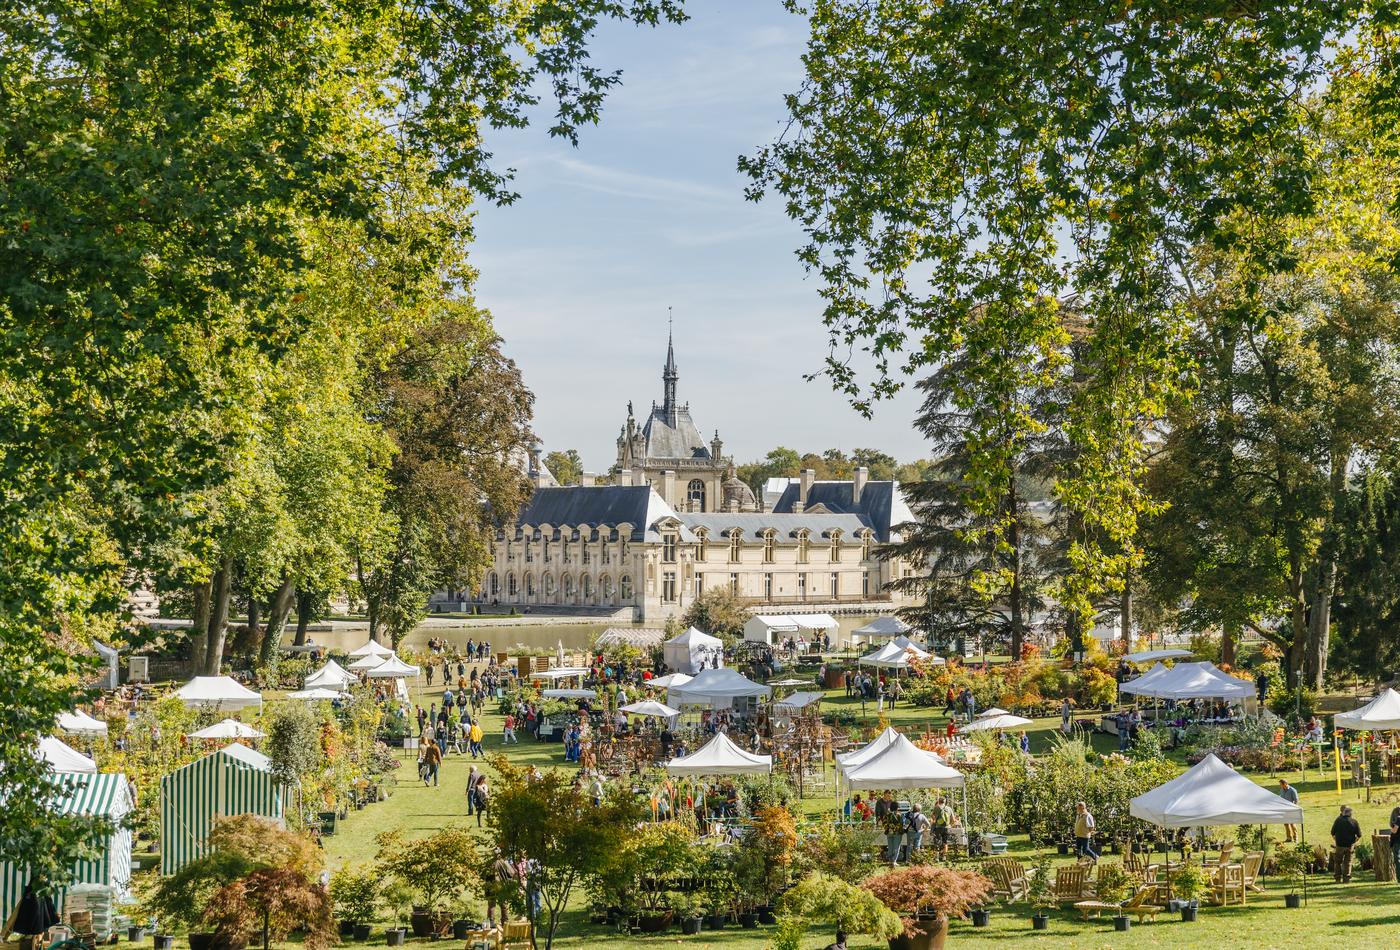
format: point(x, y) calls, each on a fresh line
point(824, 899)
point(1040, 892)
point(926, 898)
point(399, 898)
point(689, 910)
point(355, 894)
point(718, 888)
point(770, 846)
point(438, 869)
point(1115, 885)
point(464, 918)
point(1189, 882)
point(279, 900)
point(1292, 864)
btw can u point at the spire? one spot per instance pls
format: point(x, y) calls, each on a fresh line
point(669, 375)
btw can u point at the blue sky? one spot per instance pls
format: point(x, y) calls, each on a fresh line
point(648, 212)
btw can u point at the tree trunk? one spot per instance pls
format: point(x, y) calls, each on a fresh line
point(277, 612)
point(1013, 538)
point(1320, 616)
point(199, 628)
point(245, 642)
point(1229, 633)
point(1298, 623)
point(218, 618)
point(1125, 612)
point(304, 604)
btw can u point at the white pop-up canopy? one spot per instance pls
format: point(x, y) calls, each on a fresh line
point(720, 756)
point(693, 651)
point(849, 760)
point(218, 692)
point(1142, 685)
point(1196, 681)
point(227, 729)
point(1383, 712)
point(669, 680)
point(79, 723)
point(881, 627)
point(317, 693)
point(1211, 793)
point(902, 764)
point(715, 688)
point(62, 757)
point(330, 676)
point(1147, 656)
point(994, 711)
point(897, 656)
point(650, 707)
point(559, 673)
point(569, 692)
point(761, 628)
point(393, 668)
point(371, 648)
point(367, 662)
point(994, 723)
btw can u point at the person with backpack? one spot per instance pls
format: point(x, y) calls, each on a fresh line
point(940, 821)
point(915, 824)
point(473, 777)
point(483, 795)
point(893, 826)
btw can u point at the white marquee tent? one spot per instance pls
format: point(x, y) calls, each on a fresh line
point(650, 707)
point(693, 651)
point(669, 680)
point(63, 757)
point(79, 723)
point(881, 628)
point(371, 648)
point(559, 673)
point(393, 668)
point(894, 656)
point(218, 692)
point(716, 689)
point(317, 693)
point(330, 676)
point(1142, 685)
point(997, 723)
point(1383, 712)
point(1196, 681)
point(1147, 656)
point(227, 729)
point(1211, 793)
point(902, 764)
point(766, 628)
point(849, 760)
point(368, 662)
point(720, 756)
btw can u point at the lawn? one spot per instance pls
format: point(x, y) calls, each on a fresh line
point(1362, 914)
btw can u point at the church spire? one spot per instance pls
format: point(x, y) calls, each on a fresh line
point(669, 375)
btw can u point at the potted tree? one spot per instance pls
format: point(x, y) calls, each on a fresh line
point(463, 919)
point(689, 911)
point(1189, 883)
point(926, 897)
point(438, 869)
point(277, 900)
point(718, 889)
point(1040, 892)
point(1292, 864)
point(822, 898)
point(399, 897)
point(1115, 885)
point(356, 897)
point(769, 849)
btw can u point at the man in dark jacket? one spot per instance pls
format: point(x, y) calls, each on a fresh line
point(1395, 837)
point(1345, 832)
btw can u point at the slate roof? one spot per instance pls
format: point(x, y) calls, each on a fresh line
point(665, 441)
point(593, 505)
point(786, 525)
point(881, 502)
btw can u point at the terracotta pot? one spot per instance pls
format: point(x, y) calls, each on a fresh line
point(935, 932)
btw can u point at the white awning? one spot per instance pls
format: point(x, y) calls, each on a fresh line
point(650, 707)
point(1383, 712)
point(669, 680)
point(393, 668)
point(994, 711)
point(720, 756)
point(902, 764)
point(1142, 685)
point(368, 662)
point(993, 723)
point(317, 693)
point(218, 692)
point(330, 676)
point(63, 757)
point(887, 626)
point(1211, 793)
point(569, 693)
point(897, 656)
point(371, 648)
point(799, 701)
point(1193, 681)
point(227, 729)
point(558, 673)
point(1147, 656)
point(79, 723)
point(849, 760)
point(715, 688)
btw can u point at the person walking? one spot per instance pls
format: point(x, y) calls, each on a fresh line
point(940, 821)
point(915, 824)
point(1289, 794)
point(473, 777)
point(508, 730)
point(893, 826)
point(1084, 826)
point(474, 737)
point(432, 760)
point(1345, 833)
point(483, 795)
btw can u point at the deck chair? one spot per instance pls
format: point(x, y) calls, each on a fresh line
point(1225, 850)
point(1071, 885)
point(1146, 902)
point(1010, 877)
point(515, 935)
point(1253, 863)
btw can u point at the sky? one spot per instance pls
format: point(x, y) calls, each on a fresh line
point(648, 213)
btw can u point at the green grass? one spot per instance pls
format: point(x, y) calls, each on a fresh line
point(1362, 914)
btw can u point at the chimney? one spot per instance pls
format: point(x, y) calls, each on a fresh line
point(668, 486)
point(588, 479)
point(804, 487)
point(624, 476)
point(858, 483)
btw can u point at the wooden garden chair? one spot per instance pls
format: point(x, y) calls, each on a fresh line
point(1072, 885)
point(1225, 850)
point(1229, 883)
point(516, 935)
point(1253, 863)
point(1011, 878)
point(1146, 902)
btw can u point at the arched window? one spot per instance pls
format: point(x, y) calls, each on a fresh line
point(736, 545)
point(495, 584)
point(804, 539)
point(585, 584)
point(605, 587)
point(702, 548)
point(568, 587)
point(695, 495)
point(510, 586)
point(770, 545)
point(865, 539)
point(549, 585)
point(626, 587)
point(529, 585)
point(836, 546)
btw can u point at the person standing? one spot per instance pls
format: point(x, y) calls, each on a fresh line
point(508, 730)
point(915, 824)
point(432, 760)
point(473, 777)
point(1345, 833)
point(1395, 840)
point(1289, 794)
point(483, 795)
point(1084, 826)
point(893, 826)
point(940, 821)
point(474, 737)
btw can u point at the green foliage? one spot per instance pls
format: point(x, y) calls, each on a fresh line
point(1189, 881)
point(439, 868)
point(719, 612)
point(1114, 883)
point(1041, 892)
point(356, 894)
point(825, 899)
point(565, 466)
point(182, 898)
point(1293, 862)
point(838, 850)
point(293, 743)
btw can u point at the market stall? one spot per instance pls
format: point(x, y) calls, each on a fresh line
point(62, 757)
point(693, 651)
point(234, 780)
point(330, 676)
point(227, 729)
point(79, 723)
point(218, 692)
point(370, 648)
point(720, 756)
point(716, 689)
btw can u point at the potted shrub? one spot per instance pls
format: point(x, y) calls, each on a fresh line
point(277, 900)
point(926, 898)
point(356, 898)
point(463, 919)
point(1115, 885)
point(1040, 892)
point(1292, 864)
point(399, 897)
point(437, 869)
point(718, 890)
point(688, 911)
point(981, 916)
point(769, 850)
point(824, 899)
point(1189, 883)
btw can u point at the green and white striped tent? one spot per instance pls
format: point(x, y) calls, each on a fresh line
point(102, 794)
point(235, 780)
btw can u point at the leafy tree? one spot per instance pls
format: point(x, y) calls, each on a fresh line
point(566, 466)
point(1368, 586)
point(293, 743)
point(438, 868)
point(719, 612)
point(881, 465)
point(574, 839)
